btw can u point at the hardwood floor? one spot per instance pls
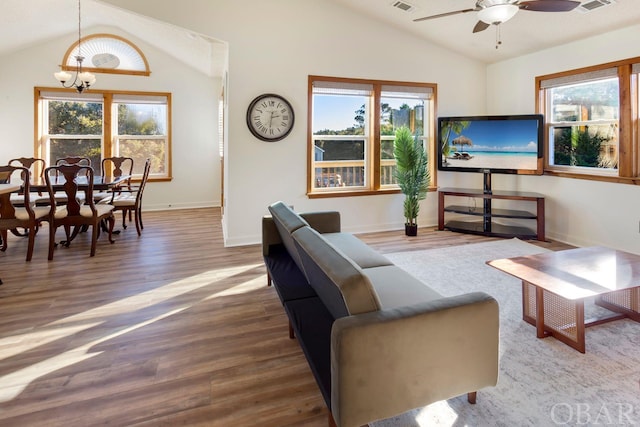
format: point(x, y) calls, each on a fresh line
point(166, 329)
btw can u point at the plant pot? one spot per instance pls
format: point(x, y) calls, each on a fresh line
point(411, 230)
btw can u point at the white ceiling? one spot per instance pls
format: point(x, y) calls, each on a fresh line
point(525, 33)
point(24, 23)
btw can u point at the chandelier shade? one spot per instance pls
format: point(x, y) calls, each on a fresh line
point(497, 13)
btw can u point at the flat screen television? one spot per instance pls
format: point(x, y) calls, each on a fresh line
point(491, 144)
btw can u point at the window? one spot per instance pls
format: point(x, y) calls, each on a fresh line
point(71, 124)
point(352, 128)
point(141, 131)
point(400, 106)
point(107, 53)
point(73, 128)
point(589, 124)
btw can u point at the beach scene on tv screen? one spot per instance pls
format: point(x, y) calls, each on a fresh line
point(490, 144)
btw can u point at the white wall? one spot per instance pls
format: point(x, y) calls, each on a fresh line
point(196, 162)
point(274, 46)
point(578, 211)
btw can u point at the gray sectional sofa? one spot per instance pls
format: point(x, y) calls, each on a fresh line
point(378, 341)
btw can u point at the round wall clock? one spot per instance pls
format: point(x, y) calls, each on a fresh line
point(270, 117)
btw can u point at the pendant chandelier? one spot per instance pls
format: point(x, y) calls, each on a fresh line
point(82, 79)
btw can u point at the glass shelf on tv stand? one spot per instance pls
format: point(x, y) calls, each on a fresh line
point(487, 226)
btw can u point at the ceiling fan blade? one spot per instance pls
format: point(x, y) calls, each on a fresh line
point(441, 15)
point(549, 5)
point(480, 26)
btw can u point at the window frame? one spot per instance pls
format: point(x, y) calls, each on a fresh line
point(109, 137)
point(372, 160)
point(627, 72)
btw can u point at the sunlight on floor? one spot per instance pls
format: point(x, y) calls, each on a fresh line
point(438, 413)
point(15, 382)
point(158, 295)
point(10, 346)
point(250, 285)
point(12, 384)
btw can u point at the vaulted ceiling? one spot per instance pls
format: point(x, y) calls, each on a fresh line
point(526, 32)
point(24, 23)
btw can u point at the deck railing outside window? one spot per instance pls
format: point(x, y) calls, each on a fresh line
point(339, 161)
point(346, 173)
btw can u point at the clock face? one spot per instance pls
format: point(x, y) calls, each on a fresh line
point(270, 117)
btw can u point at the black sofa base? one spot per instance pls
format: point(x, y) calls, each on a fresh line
point(309, 319)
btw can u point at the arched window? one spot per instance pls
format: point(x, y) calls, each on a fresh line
point(107, 53)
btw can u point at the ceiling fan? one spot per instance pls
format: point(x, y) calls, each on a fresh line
point(499, 11)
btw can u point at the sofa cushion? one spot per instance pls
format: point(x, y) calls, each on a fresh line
point(338, 281)
point(357, 250)
point(287, 221)
point(288, 279)
point(397, 288)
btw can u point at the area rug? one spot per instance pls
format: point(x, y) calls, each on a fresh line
point(542, 382)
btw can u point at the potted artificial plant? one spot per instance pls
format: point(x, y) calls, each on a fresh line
point(412, 175)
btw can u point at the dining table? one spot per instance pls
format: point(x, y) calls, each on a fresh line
point(100, 183)
point(5, 191)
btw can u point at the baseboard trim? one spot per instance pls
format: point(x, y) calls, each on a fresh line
point(175, 206)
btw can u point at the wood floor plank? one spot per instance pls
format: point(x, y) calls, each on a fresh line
point(121, 409)
point(170, 328)
point(100, 382)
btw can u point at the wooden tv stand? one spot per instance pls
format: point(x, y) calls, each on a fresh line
point(486, 226)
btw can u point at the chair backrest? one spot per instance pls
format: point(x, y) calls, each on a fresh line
point(34, 164)
point(73, 160)
point(18, 175)
point(143, 182)
point(117, 166)
point(73, 175)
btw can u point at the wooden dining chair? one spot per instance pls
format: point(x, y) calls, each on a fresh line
point(115, 167)
point(130, 200)
point(71, 160)
point(21, 213)
point(36, 167)
point(73, 213)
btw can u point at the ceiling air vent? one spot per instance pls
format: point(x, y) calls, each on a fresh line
point(591, 5)
point(403, 6)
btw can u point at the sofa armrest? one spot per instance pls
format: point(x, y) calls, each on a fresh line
point(270, 234)
point(387, 362)
point(323, 222)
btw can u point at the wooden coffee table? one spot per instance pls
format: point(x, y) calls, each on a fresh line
point(556, 284)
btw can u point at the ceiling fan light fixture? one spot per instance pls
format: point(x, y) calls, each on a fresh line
point(498, 13)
